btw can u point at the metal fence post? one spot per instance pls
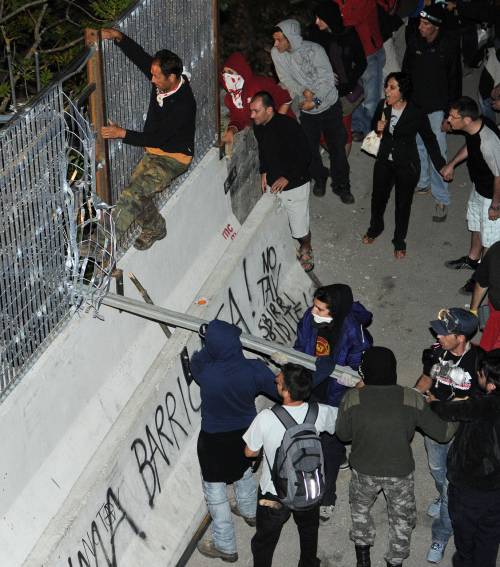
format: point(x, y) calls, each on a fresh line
point(215, 31)
point(97, 114)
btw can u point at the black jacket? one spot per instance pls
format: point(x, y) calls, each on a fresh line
point(474, 455)
point(403, 144)
point(346, 54)
point(283, 151)
point(435, 70)
point(169, 127)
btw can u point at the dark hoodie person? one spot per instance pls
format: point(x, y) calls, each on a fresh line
point(379, 419)
point(229, 384)
point(474, 467)
point(240, 84)
point(334, 330)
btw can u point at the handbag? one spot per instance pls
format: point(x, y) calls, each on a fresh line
point(371, 143)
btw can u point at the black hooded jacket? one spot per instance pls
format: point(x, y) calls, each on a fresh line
point(474, 455)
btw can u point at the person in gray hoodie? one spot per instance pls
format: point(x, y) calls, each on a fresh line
point(304, 69)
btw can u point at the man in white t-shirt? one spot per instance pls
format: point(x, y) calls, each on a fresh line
point(294, 385)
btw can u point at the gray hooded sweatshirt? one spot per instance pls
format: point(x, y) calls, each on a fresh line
point(305, 66)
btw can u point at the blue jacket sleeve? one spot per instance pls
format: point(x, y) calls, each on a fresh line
point(198, 361)
point(265, 380)
point(303, 333)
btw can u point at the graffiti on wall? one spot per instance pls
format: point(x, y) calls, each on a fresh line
point(157, 448)
point(263, 307)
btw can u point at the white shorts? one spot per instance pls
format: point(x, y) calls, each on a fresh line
point(296, 203)
point(478, 221)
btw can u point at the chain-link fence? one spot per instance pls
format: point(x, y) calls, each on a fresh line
point(183, 27)
point(33, 297)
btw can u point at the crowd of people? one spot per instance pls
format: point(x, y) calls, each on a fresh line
point(394, 68)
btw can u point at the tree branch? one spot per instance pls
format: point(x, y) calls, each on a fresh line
point(22, 9)
point(72, 3)
point(63, 47)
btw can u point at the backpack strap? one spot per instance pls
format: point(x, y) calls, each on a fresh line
point(312, 413)
point(286, 419)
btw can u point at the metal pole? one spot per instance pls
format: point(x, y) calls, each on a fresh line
point(37, 72)
point(190, 323)
point(97, 114)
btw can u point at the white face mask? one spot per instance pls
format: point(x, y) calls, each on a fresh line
point(319, 319)
point(234, 86)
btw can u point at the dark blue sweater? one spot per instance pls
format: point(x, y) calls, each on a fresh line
point(228, 381)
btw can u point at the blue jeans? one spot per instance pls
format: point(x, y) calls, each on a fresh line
point(218, 505)
point(372, 80)
point(436, 455)
point(439, 187)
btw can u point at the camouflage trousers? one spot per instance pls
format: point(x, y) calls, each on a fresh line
point(136, 203)
point(401, 509)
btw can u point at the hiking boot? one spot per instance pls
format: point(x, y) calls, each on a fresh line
point(462, 263)
point(345, 194)
point(252, 522)
point(436, 552)
point(207, 548)
point(148, 237)
point(422, 190)
point(468, 288)
point(434, 508)
point(326, 513)
point(363, 556)
point(319, 188)
point(440, 213)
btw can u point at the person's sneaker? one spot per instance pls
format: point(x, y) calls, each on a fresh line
point(207, 548)
point(440, 213)
point(358, 136)
point(422, 190)
point(326, 513)
point(319, 188)
point(252, 522)
point(148, 237)
point(468, 288)
point(345, 195)
point(436, 552)
point(462, 263)
point(434, 508)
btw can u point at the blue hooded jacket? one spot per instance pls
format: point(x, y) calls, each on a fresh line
point(354, 340)
point(228, 381)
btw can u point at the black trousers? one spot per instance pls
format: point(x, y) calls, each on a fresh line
point(270, 521)
point(334, 454)
point(328, 123)
point(386, 175)
point(475, 516)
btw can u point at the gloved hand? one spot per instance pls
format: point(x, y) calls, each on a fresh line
point(346, 379)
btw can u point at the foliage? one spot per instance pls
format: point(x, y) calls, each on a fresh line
point(53, 29)
point(247, 27)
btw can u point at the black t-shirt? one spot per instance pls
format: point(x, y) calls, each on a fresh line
point(452, 376)
point(488, 274)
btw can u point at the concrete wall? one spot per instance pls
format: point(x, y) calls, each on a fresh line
point(139, 500)
point(99, 459)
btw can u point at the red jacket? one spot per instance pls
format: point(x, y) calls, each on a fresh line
point(240, 117)
point(362, 14)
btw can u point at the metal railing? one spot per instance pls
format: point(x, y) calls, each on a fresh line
point(185, 28)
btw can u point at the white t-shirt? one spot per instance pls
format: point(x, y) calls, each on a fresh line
point(268, 431)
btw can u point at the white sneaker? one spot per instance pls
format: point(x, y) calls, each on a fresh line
point(436, 552)
point(326, 513)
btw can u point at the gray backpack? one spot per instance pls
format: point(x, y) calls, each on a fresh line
point(298, 469)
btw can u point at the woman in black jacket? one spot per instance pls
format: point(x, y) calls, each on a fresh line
point(398, 121)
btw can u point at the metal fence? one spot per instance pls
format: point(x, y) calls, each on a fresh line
point(185, 27)
point(33, 297)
